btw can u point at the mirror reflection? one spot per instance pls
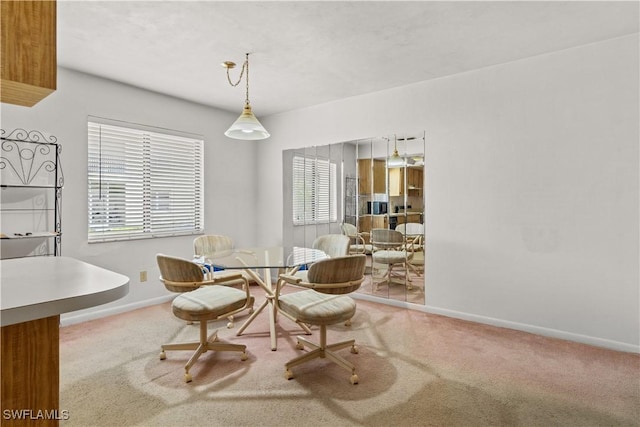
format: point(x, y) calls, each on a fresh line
point(371, 190)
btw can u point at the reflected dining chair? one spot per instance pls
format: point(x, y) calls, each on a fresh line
point(334, 245)
point(389, 249)
point(358, 242)
point(201, 300)
point(324, 302)
point(414, 235)
point(207, 245)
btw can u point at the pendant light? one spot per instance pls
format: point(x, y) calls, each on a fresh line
point(247, 125)
point(395, 161)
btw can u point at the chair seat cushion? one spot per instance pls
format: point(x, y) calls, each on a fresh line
point(314, 308)
point(389, 257)
point(358, 248)
point(418, 258)
point(208, 302)
point(222, 275)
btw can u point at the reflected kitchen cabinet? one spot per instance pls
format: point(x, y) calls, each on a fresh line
point(414, 181)
point(396, 182)
point(369, 222)
point(409, 217)
point(414, 176)
point(372, 176)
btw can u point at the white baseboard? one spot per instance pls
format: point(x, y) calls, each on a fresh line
point(72, 318)
point(538, 330)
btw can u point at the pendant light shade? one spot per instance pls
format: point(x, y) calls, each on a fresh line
point(247, 127)
point(395, 161)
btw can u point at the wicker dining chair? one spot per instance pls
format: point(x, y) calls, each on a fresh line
point(201, 300)
point(207, 245)
point(358, 242)
point(414, 235)
point(334, 245)
point(324, 302)
point(389, 249)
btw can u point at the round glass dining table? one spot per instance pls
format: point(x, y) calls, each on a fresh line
point(284, 259)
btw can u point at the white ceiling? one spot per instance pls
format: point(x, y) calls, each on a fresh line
point(306, 53)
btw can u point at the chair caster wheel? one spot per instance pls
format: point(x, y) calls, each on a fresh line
point(354, 349)
point(288, 374)
point(229, 325)
point(244, 356)
point(347, 323)
point(354, 379)
point(187, 377)
point(299, 346)
point(163, 355)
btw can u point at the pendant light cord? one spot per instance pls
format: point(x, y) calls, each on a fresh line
point(245, 68)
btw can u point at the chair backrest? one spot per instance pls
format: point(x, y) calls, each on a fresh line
point(211, 243)
point(411, 228)
point(334, 245)
point(387, 237)
point(346, 272)
point(178, 274)
point(349, 229)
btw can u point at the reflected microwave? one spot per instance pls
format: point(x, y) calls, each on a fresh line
point(377, 208)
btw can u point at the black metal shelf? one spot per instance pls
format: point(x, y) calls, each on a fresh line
point(31, 160)
point(36, 235)
point(28, 186)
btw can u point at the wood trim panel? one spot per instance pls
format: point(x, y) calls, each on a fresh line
point(28, 59)
point(30, 372)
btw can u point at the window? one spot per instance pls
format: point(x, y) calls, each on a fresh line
point(314, 191)
point(143, 183)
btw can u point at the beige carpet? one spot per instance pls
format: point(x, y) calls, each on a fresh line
point(415, 369)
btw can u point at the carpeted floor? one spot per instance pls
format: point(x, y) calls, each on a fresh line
point(415, 369)
point(377, 284)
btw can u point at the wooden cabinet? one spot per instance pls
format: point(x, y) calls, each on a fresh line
point(28, 51)
point(372, 176)
point(368, 222)
point(412, 178)
point(414, 181)
point(365, 176)
point(408, 217)
point(396, 182)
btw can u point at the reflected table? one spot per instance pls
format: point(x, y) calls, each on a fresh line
point(265, 258)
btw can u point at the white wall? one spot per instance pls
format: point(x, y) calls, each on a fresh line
point(532, 187)
point(532, 184)
point(229, 185)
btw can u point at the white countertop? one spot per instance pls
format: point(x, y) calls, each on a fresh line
point(405, 213)
point(395, 214)
point(38, 287)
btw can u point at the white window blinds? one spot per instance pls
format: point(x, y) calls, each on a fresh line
point(314, 191)
point(143, 184)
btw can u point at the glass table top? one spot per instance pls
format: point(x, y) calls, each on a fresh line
point(264, 257)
